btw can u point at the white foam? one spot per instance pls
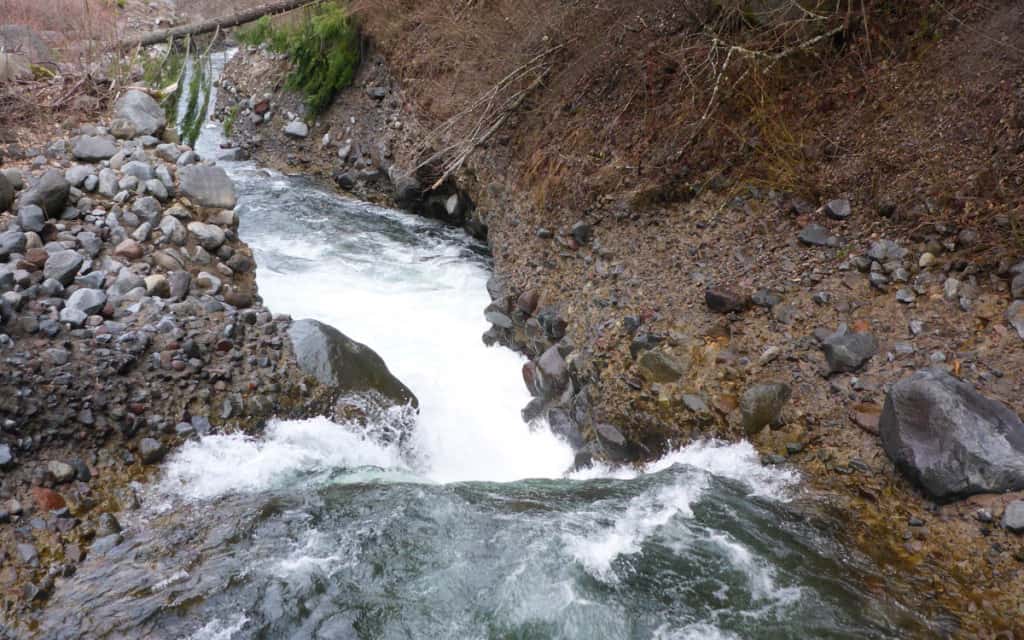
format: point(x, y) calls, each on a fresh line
point(645, 515)
point(695, 631)
point(220, 629)
point(221, 464)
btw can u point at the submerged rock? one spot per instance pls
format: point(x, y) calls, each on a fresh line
point(336, 360)
point(951, 440)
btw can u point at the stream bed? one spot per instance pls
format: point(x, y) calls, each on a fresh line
point(473, 528)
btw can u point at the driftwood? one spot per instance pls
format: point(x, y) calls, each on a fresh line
point(206, 26)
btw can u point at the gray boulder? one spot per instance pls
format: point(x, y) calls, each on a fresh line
point(951, 440)
point(173, 230)
point(11, 242)
point(336, 360)
point(1013, 517)
point(63, 266)
point(107, 183)
point(848, 352)
point(207, 186)
point(49, 193)
point(142, 112)
point(93, 148)
point(141, 170)
point(77, 174)
point(296, 129)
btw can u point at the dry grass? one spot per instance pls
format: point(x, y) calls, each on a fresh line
point(72, 27)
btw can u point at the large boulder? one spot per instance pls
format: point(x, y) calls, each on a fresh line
point(142, 112)
point(336, 360)
point(49, 193)
point(207, 186)
point(951, 440)
point(93, 148)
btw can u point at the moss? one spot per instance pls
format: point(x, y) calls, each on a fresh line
point(324, 50)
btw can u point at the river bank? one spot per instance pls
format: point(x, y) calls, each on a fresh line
point(620, 279)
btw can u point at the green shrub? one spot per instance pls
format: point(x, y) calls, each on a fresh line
point(323, 49)
point(229, 121)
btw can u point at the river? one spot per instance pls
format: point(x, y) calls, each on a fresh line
point(473, 528)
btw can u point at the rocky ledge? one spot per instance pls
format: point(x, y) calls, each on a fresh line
point(129, 323)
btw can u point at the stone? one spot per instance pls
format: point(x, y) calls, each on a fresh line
point(886, 251)
point(61, 471)
point(49, 193)
point(147, 208)
point(47, 499)
point(209, 236)
point(12, 242)
point(1013, 517)
point(126, 281)
point(725, 300)
point(927, 259)
point(848, 352)
point(1017, 287)
point(128, 248)
point(27, 554)
point(838, 209)
point(6, 457)
point(208, 282)
point(77, 174)
point(816, 235)
point(168, 152)
point(660, 366)
point(141, 233)
point(552, 373)
point(142, 112)
point(951, 440)
point(90, 243)
point(151, 450)
point(73, 317)
point(207, 186)
point(582, 233)
point(408, 192)
point(107, 525)
point(173, 230)
point(296, 129)
point(142, 171)
point(615, 445)
point(63, 266)
point(906, 295)
point(107, 183)
point(766, 298)
point(336, 360)
point(497, 317)
point(93, 148)
point(179, 282)
point(31, 218)
point(88, 301)
point(761, 406)
point(158, 189)
point(157, 286)
point(1014, 316)
point(6, 193)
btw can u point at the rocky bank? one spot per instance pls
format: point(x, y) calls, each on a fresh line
point(131, 322)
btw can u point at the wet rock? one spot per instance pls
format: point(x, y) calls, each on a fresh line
point(761, 406)
point(725, 300)
point(816, 235)
point(838, 209)
point(848, 352)
point(141, 112)
point(207, 186)
point(93, 148)
point(63, 266)
point(209, 236)
point(497, 317)
point(408, 192)
point(49, 193)
point(951, 440)
point(1013, 517)
point(659, 366)
point(563, 426)
point(612, 441)
point(107, 525)
point(528, 300)
point(151, 450)
point(336, 360)
point(552, 373)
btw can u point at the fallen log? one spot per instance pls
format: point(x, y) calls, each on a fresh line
point(206, 26)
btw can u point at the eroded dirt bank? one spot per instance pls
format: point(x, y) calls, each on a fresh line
point(675, 277)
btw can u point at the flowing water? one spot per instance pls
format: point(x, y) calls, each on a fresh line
point(471, 530)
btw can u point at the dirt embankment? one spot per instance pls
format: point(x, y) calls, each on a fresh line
point(619, 186)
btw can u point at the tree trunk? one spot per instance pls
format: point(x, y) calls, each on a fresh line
point(206, 26)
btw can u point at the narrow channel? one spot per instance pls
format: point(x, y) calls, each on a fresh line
point(474, 528)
